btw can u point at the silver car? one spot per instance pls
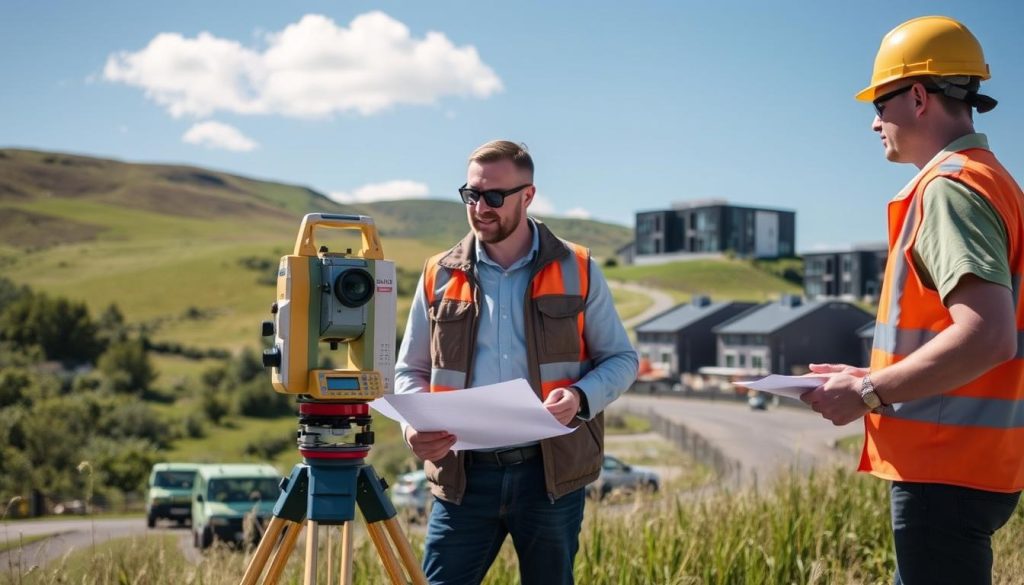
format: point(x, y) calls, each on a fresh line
point(617, 475)
point(411, 495)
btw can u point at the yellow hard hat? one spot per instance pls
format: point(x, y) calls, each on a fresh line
point(929, 45)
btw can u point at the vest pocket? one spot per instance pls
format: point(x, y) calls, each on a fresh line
point(558, 325)
point(450, 334)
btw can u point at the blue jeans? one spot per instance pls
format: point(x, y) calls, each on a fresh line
point(463, 540)
point(943, 533)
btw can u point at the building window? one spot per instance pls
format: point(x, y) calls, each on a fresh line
point(756, 362)
point(743, 359)
point(666, 357)
point(730, 360)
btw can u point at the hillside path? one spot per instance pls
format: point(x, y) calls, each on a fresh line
point(661, 301)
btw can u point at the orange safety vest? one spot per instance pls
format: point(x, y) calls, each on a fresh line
point(554, 321)
point(970, 436)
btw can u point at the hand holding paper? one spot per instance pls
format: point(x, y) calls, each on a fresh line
point(789, 386)
point(485, 417)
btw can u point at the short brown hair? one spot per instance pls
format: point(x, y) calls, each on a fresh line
point(497, 150)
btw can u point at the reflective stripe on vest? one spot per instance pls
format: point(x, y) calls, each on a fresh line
point(568, 276)
point(973, 435)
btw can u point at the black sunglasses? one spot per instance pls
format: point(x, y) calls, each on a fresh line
point(493, 197)
point(879, 102)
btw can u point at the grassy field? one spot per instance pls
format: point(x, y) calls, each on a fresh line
point(826, 528)
point(722, 279)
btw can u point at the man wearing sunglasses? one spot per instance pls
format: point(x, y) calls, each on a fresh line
point(511, 300)
point(943, 398)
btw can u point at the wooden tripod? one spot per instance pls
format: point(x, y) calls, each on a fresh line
point(325, 492)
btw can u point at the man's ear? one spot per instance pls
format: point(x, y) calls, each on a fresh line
point(528, 195)
point(921, 102)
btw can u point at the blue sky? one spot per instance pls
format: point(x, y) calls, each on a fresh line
point(625, 106)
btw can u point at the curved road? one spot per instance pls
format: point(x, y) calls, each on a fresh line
point(661, 301)
point(73, 534)
point(763, 442)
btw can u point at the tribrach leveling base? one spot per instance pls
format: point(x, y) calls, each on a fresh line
point(325, 490)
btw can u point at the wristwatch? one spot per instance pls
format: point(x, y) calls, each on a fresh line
point(868, 394)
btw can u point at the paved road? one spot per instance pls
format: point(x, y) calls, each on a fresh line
point(72, 534)
point(764, 443)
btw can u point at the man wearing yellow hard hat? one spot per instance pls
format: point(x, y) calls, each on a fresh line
point(943, 399)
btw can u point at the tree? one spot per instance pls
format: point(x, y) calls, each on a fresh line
point(111, 326)
point(126, 367)
point(62, 328)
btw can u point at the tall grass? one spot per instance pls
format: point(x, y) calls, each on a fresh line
point(828, 527)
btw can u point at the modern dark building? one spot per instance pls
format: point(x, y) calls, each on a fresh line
point(782, 337)
point(680, 339)
point(716, 227)
point(851, 274)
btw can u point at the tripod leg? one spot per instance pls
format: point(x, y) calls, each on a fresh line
point(346, 555)
point(412, 566)
point(259, 559)
point(330, 556)
point(291, 536)
point(312, 528)
point(385, 552)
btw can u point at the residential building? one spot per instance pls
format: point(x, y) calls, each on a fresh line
point(680, 339)
point(783, 337)
point(854, 274)
point(716, 227)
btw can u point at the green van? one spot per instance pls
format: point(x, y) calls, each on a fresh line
point(170, 492)
point(222, 496)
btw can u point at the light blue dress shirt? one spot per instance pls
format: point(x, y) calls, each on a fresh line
point(501, 353)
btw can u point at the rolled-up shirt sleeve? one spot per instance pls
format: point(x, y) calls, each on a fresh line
point(608, 347)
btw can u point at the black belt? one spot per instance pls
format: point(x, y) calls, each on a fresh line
point(503, 457)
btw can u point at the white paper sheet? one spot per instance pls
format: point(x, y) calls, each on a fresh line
point(791, 386)
point(485, 417)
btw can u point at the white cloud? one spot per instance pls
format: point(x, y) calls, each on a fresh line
point(217, 135)
point(386, 191)
point(541, 206)
point(578, 213)
point(312, 68)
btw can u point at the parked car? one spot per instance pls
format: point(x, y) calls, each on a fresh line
point(411, 495)
point(169, 495)
point(757, 401)
point(224, 494)
point(617, 475)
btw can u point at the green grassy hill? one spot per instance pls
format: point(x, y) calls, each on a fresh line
point(191, 252)
point(721, 279)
